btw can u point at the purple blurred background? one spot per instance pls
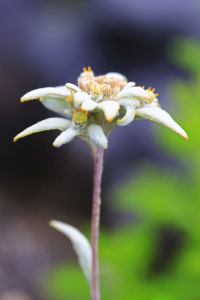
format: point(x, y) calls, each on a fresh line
point(47, 43)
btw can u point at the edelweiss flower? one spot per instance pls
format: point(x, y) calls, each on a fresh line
point(94, 107)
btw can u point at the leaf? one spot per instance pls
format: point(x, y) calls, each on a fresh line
point(80, 244)
point(47, 124)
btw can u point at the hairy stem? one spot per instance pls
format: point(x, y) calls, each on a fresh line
point(98, 166)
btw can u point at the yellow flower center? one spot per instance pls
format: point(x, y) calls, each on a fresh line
point(80, 117)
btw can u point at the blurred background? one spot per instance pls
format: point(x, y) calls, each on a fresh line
point(150, 236)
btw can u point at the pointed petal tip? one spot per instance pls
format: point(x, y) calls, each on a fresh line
point(56, 144)
point(24, 98)
point(72, 87)
point(65, 137)
point(67, 84)
point(109, 119)
point(105, 145)
point(52, 223)
point(186, 137)
point(183, 134)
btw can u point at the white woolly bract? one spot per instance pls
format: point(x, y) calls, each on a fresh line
point(97, 135)
point(110, 109)
point(38, 93)
point(79, 97)
point(129, 102)
point(88, 105)
point(65, 137)
point(73, 87)
point(137, 92)
point(128, 118)
point(47, 124)
point(56, 104)
point(161, 116)
point(115, 75)
point(129, 84)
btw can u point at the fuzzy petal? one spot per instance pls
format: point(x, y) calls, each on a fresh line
point(72, 87)
point(81, 246)
point(97, 135)
point(56, 104)
point(128, 118)
point(88, 105)
point(129, 84)
point(80, 97)
point(129, 102)
point(161, 116)
point(136, 92)
point(48, 124)
point(68, 113)
point(151, 105)
point(65, 137)
point(38, 93)
point(110, 109)
point(115, 76)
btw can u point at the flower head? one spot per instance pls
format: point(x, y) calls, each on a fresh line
point(95, 106)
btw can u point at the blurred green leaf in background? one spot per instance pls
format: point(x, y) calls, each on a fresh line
point(157, 257)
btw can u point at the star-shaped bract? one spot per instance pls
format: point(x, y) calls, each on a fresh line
point(94, 107)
